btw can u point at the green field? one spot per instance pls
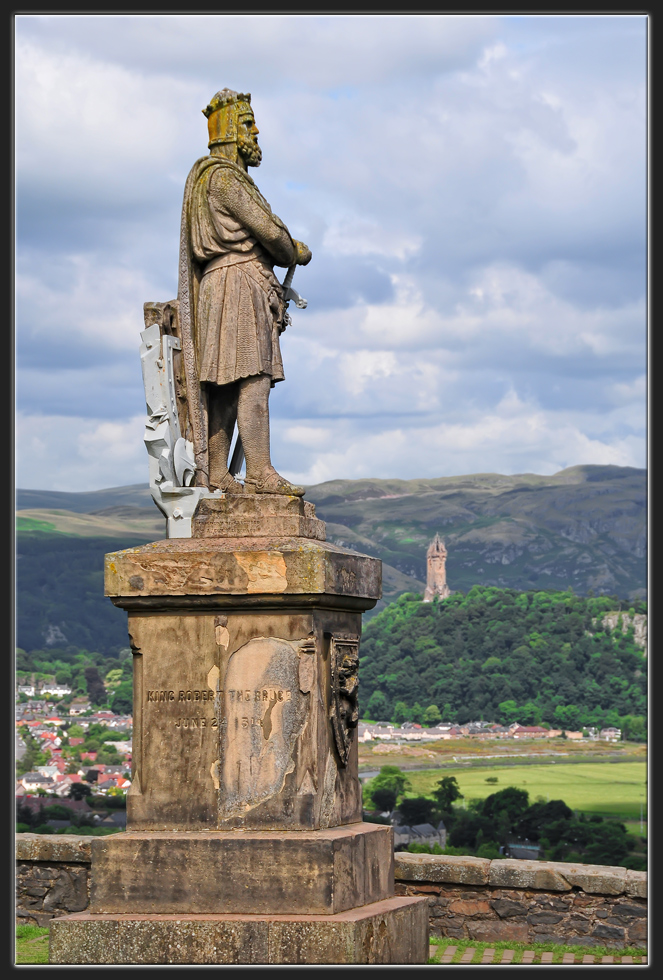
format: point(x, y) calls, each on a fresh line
point(610, 789)
point(31, 944)
point(32, 524)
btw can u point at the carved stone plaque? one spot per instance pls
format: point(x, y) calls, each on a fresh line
point(265, 711)
point(344, 711)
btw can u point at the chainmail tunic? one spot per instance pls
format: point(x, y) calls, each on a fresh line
point(236, 240)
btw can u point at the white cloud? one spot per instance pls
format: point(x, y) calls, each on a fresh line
point(516, 437)
point(100, 125)
point(76, 454)
point(357, 237)
point(100, 306)
point(492, 168)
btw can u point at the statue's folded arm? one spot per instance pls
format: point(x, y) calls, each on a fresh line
point(228, 194)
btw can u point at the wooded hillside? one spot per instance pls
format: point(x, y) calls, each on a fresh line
point(503, 655)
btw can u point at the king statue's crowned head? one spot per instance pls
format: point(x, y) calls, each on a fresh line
point(230, 120)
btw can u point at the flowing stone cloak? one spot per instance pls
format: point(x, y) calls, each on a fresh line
point(230, 302)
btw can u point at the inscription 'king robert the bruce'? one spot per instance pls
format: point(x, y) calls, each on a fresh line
point(265, 694)
point(163, 696)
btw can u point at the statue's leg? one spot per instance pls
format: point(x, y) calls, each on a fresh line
point(222, 413)
point(253, 424)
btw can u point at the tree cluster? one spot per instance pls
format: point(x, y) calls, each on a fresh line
point(503, 655)
point(486, 827)
point(106, 680)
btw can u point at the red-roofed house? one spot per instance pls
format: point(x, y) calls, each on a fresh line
point(50, 739)
point(89, 755)
point(528, 731)
point(76, 740)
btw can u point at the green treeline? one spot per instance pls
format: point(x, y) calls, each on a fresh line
point(482, 827)
point(106, 680)
point(504, 655)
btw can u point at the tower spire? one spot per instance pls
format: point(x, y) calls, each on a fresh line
point(436, 572)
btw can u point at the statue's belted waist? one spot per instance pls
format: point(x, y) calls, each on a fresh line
point(257, 267)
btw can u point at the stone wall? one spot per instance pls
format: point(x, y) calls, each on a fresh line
point(527, 901)
point(469, 897)
point(52, 876)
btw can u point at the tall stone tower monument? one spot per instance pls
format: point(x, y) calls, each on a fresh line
point(436, 578)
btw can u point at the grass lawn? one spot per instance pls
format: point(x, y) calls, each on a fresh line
point(31, 944)
point(604, 788)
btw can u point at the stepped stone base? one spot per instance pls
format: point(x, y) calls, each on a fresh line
point(257, 516)
point(323, 872)
point(392, 931)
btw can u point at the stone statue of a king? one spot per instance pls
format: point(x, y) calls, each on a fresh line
point(231, 305)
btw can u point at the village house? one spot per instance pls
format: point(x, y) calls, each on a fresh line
point(64, 782)
point(112, 782)
point(56, 690)
point(527, 731)
point(610, 734)
point(49, 771)
point(122, 748)
point(79, 706)
point(423, 833)
point(32, 781)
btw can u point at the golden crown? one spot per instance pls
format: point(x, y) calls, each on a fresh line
point(223, 113)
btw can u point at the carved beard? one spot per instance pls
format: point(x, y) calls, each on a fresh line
point(249, 150)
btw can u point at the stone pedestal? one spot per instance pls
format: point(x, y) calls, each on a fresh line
point(244, 814)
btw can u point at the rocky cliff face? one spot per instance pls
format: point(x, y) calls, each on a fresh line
point(635, 621)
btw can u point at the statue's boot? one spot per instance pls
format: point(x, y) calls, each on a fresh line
point(226, 482)
point(273, 483)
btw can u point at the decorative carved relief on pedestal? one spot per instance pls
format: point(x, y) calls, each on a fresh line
point(344, 710)
point(265, 707)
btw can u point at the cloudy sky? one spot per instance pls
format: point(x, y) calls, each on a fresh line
point(473, 190)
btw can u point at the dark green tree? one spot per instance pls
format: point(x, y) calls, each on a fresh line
point(510, 801)
point(389, 777)
point(95, 685)
point(79, 791)
point(446, 792)
point(377, 706)
point(432, 715)
point(384, 798)
point(401, 713)
point(123, 699)
point(417, 809)
point(533, 822)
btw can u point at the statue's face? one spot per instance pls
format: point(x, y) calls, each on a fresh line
point(247, 141)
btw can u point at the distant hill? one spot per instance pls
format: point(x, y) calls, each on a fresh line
point(583, 527)
point(86, 502)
